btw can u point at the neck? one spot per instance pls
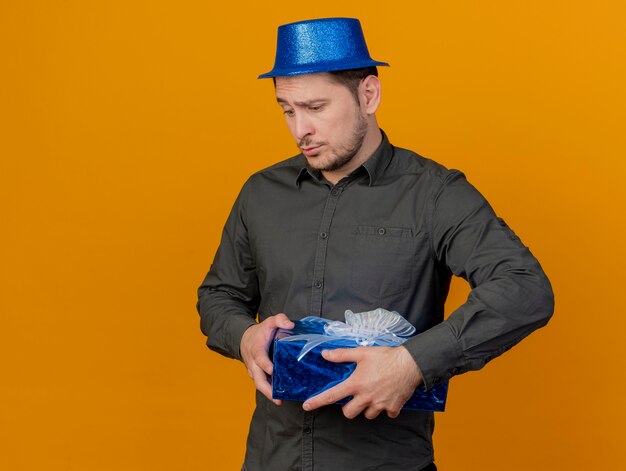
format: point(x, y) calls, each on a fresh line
point(372, 140)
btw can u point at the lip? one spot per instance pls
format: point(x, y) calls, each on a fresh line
point(310, 151)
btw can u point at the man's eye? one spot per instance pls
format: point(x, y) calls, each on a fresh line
point(288, 112)
point(316, 108)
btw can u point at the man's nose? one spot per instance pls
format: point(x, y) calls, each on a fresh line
point(304, 126)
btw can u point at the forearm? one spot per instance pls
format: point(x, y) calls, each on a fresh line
point(511, 295)
point(223, 320)
point(496, 316)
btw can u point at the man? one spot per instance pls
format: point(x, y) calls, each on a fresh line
point(353, 222)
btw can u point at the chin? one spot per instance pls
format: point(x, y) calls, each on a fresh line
point(318, 163)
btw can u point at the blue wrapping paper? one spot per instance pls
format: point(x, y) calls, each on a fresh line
point(298, 379)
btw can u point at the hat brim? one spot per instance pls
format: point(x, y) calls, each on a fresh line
point(320, 67)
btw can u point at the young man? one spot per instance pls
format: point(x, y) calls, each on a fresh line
point(353, 222)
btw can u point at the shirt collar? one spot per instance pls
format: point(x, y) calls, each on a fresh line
point(378, 162)
point(374, 166)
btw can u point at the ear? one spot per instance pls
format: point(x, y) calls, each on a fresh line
point(370, 94)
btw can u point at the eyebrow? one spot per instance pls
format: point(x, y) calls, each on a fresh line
point(316, 101)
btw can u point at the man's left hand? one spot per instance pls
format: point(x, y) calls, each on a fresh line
point(384, 379)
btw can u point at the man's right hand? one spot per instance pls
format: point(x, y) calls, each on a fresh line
point(254, 348)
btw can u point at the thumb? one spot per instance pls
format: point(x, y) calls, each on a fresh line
point(283, 322)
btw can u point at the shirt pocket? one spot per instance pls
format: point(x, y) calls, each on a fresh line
point(383, 262)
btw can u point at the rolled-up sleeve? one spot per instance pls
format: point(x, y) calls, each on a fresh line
point(510, 296)
point(228, 298)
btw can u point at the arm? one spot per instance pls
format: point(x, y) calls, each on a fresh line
point(228, 298)
point(228, 301)
point(510, 298)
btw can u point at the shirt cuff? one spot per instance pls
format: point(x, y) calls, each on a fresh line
point(437, 353)
point(231, 339)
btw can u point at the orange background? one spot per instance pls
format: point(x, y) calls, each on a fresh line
point(127, 129)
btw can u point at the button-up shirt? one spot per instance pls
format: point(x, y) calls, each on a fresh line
point(391, 234)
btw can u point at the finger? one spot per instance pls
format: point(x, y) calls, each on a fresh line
point(371, 413)
point(394, 414)
point(353, 408)
point(330, 396)
point(264, 386)
point(282, 321)
point(343, 355)
point(263, 361)
point(261, 382)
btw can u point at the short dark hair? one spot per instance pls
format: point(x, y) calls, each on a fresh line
point(351, 78)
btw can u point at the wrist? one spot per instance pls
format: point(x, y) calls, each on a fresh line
point(242, 343)
point(411, 365)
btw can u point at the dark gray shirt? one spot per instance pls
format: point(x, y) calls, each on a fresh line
point(389, 235)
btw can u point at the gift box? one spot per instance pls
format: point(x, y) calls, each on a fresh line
point(300, 371)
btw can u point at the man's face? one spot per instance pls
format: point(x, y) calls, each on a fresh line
point(324, 119)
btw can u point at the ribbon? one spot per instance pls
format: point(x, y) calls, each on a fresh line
point(377, 327)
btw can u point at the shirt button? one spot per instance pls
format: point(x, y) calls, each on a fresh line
point(381, 231)
point(334, 192)
point(323, 235)
point(307, 430)
point(318, 284)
